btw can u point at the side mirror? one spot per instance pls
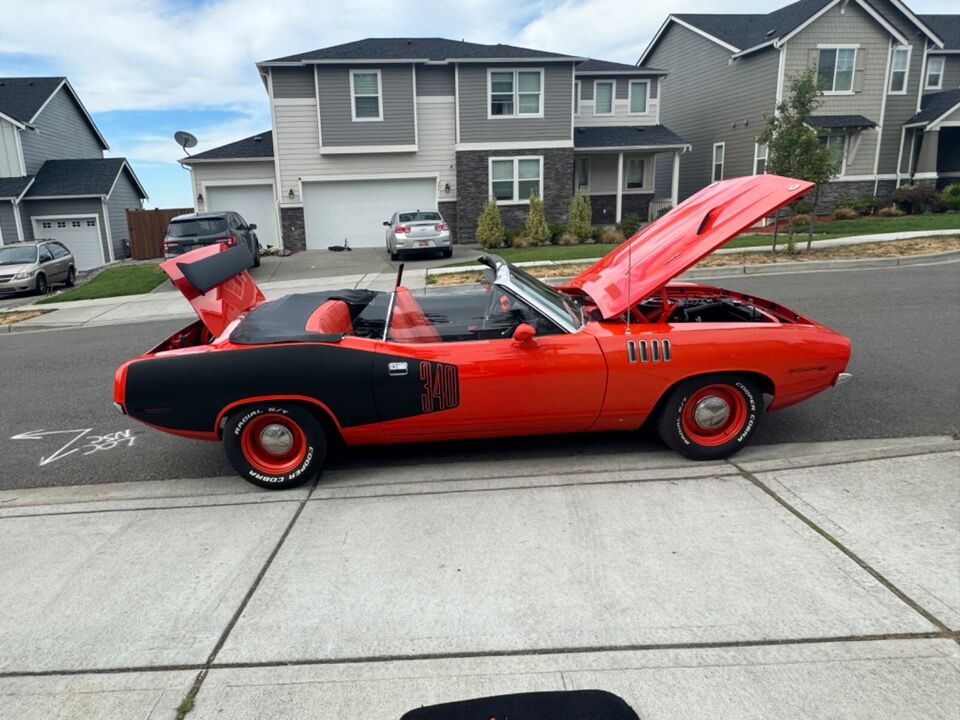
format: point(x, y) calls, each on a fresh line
point(252, 226)
point(524, 334)
point(386, 223)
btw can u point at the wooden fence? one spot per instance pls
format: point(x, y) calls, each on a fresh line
point(146, 229)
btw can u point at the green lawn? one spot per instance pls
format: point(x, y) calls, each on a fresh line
point(835, 229)
point(113, 282)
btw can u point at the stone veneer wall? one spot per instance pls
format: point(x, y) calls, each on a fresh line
point(449, 211)
point(473, 188)
point(834, 192)
point(292, 230)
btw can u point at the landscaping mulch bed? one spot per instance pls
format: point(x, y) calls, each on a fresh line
point(9, 318)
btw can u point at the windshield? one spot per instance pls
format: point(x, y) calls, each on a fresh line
point(191, 228)
point(420, 217)
point(546, 294)
point(18, 255)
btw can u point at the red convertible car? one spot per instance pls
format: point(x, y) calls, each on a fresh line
point(277, 381)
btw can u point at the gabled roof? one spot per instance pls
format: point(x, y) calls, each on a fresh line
point(626, 136)
point(12, 188)
point(255, 147)
point(947, 27)
point(23, 98)
point(934, 106)
point(826, 122)
point(744, 33)
point(89, 177)
point(604, 67)
point(417, 49)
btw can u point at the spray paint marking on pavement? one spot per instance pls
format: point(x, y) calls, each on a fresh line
point(90, 445)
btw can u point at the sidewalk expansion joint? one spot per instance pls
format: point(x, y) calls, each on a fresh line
point(907, 453)
point(187, 703)
point(145, 508)
point(945, 630)
point(478, 654)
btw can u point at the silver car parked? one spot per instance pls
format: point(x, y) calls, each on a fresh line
point(36, 266)
point(417, 231)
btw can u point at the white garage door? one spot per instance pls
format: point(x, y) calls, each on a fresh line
point(80, 235)
point(255, 204)
point(356, 209)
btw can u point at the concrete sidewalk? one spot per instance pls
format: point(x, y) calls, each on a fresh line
point(808, 580)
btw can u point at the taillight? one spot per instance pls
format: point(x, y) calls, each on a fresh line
point(168, 246)
point(230, 240)
point(442, 227)
point(401, 229)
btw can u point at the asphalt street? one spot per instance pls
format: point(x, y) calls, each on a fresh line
point(904, 324)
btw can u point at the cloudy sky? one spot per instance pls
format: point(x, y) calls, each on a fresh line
point(150, 67)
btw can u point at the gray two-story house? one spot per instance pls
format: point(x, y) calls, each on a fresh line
point(363, 129)
point(55, 182)
point(876, 64)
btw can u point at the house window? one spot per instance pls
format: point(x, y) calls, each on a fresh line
point(91, 223)
point(516, 92)
point(46, 225)
point(365, 95)
point(835, 69)
point(837, 143)
point(61, 224)
point(583, 174)
point(759, 158)
point(76, 223)
point(718, 152)
point(633, 177)
point(603, 97)
point(639, 89)
point(512, 180)
point(934, 79)
point(898, 70)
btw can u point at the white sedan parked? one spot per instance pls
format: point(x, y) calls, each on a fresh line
point(417, 231)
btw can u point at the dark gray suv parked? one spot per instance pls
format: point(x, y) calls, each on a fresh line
point(188, 232)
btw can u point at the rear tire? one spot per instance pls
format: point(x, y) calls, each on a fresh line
point(394, 255)
point(71, 278)
point(275, 445)
point(41, 287)
point(448, 252)
point(711, 417)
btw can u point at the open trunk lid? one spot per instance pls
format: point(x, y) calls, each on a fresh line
point(216, 282)
point(681, 238)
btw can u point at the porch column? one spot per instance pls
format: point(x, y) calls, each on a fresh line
point(675, 179)
point(927, 161)
point(619, 186)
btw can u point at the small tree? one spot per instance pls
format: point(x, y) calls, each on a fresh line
point(793, 147)
point(536, 229)
point(580, 216)
point(490, 232)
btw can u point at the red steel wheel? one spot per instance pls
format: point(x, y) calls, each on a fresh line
point(712, 416)
point(275, 445)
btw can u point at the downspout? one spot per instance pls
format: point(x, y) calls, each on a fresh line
point(903, 134)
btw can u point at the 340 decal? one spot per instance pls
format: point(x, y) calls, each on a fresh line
point(441, 386)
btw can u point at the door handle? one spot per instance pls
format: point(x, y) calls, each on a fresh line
point(396, 369)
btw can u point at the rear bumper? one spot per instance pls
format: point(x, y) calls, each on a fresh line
point(842, 379)
point(409, 244)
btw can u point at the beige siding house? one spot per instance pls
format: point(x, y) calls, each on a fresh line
point(364, 129)
point(726, 72)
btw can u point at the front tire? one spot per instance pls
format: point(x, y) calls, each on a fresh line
point(711, 417)
point(256, 254)
point(41, 287)
point(275, 445)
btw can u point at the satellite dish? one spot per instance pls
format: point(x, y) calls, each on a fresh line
point(185, 140)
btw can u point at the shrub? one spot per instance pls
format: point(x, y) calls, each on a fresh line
point(803, 208)
point(629, 224)
point(612, 236)
point(801, 220)
point(950, 197)
point(845, 213)
point(556, 230)
point(536, 228)
point(864, 204)
point(596, 232)
point(916, 199)
point(490, 233)
point(568, 238)
point(663, 211)
point(579, 216)
point(890, 211)
point(520, 241)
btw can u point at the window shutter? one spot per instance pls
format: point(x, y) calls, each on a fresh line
point(858, 70)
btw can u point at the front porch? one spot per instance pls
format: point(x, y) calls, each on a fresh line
point(931, 142)
point(617, 168)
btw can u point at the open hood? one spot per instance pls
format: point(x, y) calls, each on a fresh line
point(696, 227)
point(216, 282)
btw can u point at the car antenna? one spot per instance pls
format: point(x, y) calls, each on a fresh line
point(399, 274)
